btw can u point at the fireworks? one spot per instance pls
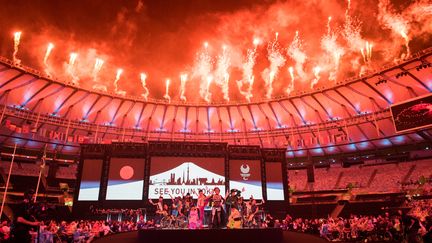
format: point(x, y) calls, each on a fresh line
point(17, 38)
point(45, 60)
point(70, 69)
point(277, 60)
point(291, 86)
point(351, 30)
point(207, 96)
point(346, 46)
point(72, 58)
point(296, 52)
point(395, 22)
point(316, 71)
point(95, 74)
point(367, 52)
point(167, 96)
point(333, 49)
point(143, 78)
point(116, 89)
point(203, 70)
point(183, 80)
point(96, 69)
point(256, 42)
point(247, 67)
point(48, 52)
point(269, 84)
point(222, 75)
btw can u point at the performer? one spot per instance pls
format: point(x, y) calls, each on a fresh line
point(231, 200)
point(165, 210)
point(234, 219)
point(193, 218)
point(252, 214)
point(187, 203)
point(241, 206)
point(217, 200)
point(177, 206)
point(201, 203)
point(24, 219)
point(159, 209)
point(159, 204)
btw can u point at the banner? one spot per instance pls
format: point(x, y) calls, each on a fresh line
point(177, 176)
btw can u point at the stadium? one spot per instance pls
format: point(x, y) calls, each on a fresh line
point(322, 127)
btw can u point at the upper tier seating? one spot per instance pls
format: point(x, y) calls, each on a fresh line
point(365, 178)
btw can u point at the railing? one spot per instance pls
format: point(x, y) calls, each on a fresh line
point(415, 57)
point(92, 127)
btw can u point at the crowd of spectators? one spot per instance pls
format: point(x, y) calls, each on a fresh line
point(122, 214)
point(395, 228)
point(421, 186)
point(379, 178)
point(77, 231)
point(415, 226)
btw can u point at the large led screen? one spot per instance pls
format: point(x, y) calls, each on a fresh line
point(90, 180)
point(412, 114)
point(177, 176)
point(125, 179)
point(274, 181)
point(245, 176)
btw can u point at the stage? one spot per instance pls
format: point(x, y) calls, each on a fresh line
point(212, 235)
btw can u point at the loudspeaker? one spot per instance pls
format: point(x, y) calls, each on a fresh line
point(52, 170)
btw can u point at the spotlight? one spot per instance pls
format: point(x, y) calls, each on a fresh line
point(423, 65)
point(381, 81)
point(233, 130)
point(401, 74)
point(208, 131)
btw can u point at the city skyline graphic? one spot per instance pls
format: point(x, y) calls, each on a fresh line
point(187, 173)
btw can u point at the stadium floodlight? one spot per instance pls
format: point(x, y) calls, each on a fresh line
point(185, 130)
point(233, 130)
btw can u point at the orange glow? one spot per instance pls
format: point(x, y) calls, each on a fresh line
point(256, 41)
point(96, 69)
point(70, 69)
point(117, 79)
point(316, 71)
point(291, 85)
point(167, 84)
point(17, 39)
point(183, 80)
point(50, 47)
point(228, 46)
point(48, 51)
point(143, 78)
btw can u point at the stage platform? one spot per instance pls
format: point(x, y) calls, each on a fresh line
point(219, 235)
point(212, 235)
